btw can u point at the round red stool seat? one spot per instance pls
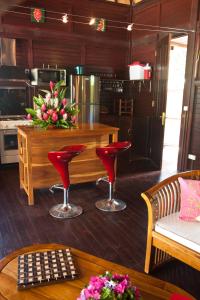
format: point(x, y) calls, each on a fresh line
point(60, 160)
point(108, 155)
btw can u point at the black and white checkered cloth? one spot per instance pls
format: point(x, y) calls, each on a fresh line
point(41, 268)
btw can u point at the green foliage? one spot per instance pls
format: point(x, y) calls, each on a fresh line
point(106, 294)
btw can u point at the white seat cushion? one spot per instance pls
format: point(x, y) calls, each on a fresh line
point(185, 233)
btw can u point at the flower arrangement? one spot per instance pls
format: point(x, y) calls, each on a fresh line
point(53, 109)
point(110, 287)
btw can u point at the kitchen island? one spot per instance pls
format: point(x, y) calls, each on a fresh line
point(36, 171)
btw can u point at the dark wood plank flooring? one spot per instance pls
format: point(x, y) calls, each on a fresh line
point(119, 237)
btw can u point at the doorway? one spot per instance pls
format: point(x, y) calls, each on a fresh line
point(174, 101)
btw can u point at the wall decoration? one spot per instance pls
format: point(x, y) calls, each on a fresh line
point(37, 15)
point(100, 24)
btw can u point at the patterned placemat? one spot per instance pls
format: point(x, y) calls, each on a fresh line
point(42, 268)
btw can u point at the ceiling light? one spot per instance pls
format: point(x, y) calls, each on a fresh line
point(92, 21)
point(65, 18)
point(130, 27)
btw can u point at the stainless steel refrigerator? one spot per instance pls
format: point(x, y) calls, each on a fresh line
point(85, 90)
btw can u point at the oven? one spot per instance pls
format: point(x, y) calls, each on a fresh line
point(8, 146)
point(14, 100)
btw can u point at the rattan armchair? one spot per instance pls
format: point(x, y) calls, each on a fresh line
point(164, 199)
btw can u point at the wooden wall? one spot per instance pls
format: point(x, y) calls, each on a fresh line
point(53, 42)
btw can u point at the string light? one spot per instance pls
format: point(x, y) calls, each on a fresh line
point(130, 27)
point(65, 18)
point(92, 21)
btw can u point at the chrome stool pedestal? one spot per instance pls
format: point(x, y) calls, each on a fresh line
point(108, 155)
point(110, 204)
point(65, 210)
point(60, 160)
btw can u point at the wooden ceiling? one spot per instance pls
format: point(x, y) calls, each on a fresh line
point(128, 2)
point(5, 4)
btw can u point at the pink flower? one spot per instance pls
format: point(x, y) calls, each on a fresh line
point(119, 288)
point(116, 286)
point(56, 94)
point(137, 293)
point(51, 84)
point(92, 294)
point(73, 119)
point(97, 282)
point(47, 98)
point(45, 116)
point(54, 117)
point(65, 116)
point(29, 117)
point(56, 102)
point(43, 107)
point(62, 111)
point(39, 114)
point(50, 112)
point(64, 102)
point(120, 277)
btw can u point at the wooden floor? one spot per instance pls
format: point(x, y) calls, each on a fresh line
point(119, 237)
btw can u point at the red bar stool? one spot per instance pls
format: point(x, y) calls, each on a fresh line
point(108, 155)
point(60, 159)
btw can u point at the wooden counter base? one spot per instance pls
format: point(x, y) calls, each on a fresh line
point(36, 171)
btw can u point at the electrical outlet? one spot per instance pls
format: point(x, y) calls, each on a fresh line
point(192, 156)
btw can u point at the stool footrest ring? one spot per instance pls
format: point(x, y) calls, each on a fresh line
point(102, 179)
point(56, 186)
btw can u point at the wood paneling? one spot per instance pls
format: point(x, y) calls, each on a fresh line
point(149, 15)
point(104, 56)
point(194, 147)
point(176, 13)
point(51, 53)
point(68, 44)
point(21, 53)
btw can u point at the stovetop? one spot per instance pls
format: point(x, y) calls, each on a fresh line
point(10, 118)
point(11, 122)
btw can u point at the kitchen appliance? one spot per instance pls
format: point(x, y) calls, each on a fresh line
point(15, 96)
point(85, 91)
point(13, 100)
point(42, 77)
point(8, 138)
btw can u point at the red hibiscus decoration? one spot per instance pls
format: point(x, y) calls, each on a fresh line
point(37, 13)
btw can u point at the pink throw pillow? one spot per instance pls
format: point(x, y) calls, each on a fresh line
point(190, 199)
